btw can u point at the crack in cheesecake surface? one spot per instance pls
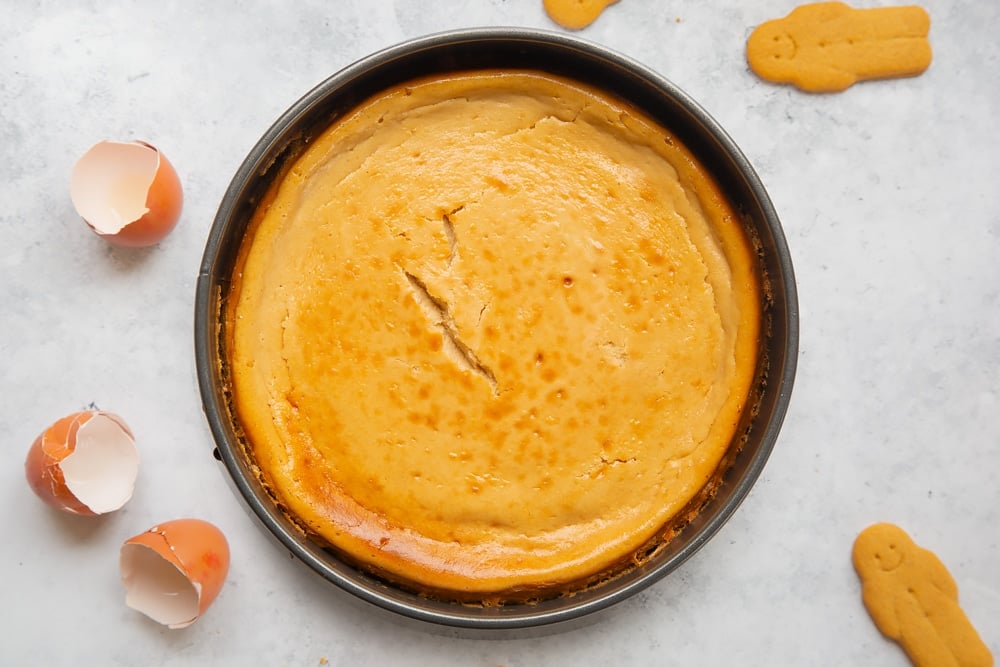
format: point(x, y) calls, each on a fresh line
point(438, 316)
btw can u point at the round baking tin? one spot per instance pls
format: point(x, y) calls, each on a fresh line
point(508, 48)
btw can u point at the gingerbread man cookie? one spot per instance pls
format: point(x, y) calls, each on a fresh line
point(829, 46)
point(913, 600)
point(575, 14)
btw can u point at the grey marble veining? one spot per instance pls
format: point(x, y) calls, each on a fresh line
point(888, 194)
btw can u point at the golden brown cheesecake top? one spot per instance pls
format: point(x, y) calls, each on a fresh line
point(492, 331)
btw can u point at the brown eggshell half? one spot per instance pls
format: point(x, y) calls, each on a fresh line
point(85, 463)
point(175, 570)
point(127, 192)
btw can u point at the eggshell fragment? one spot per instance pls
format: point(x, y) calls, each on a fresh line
point(127, 192)
point(174, 571)
point(85, 463)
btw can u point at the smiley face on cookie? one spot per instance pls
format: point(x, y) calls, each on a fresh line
point(882, 550)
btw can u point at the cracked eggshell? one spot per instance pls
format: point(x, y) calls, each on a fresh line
point(173, 571)
point(85, 463)
point(127, 192)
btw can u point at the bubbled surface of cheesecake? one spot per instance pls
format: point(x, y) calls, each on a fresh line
point(491, 332)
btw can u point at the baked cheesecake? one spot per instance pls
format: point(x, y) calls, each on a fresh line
point(492, 334)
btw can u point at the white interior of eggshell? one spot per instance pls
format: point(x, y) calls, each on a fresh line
point(110, 183)
point(157, 588)
point(102, 469)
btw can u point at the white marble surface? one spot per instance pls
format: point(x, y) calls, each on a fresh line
point(889, 198)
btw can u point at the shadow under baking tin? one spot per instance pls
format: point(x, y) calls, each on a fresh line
point(502, 48)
